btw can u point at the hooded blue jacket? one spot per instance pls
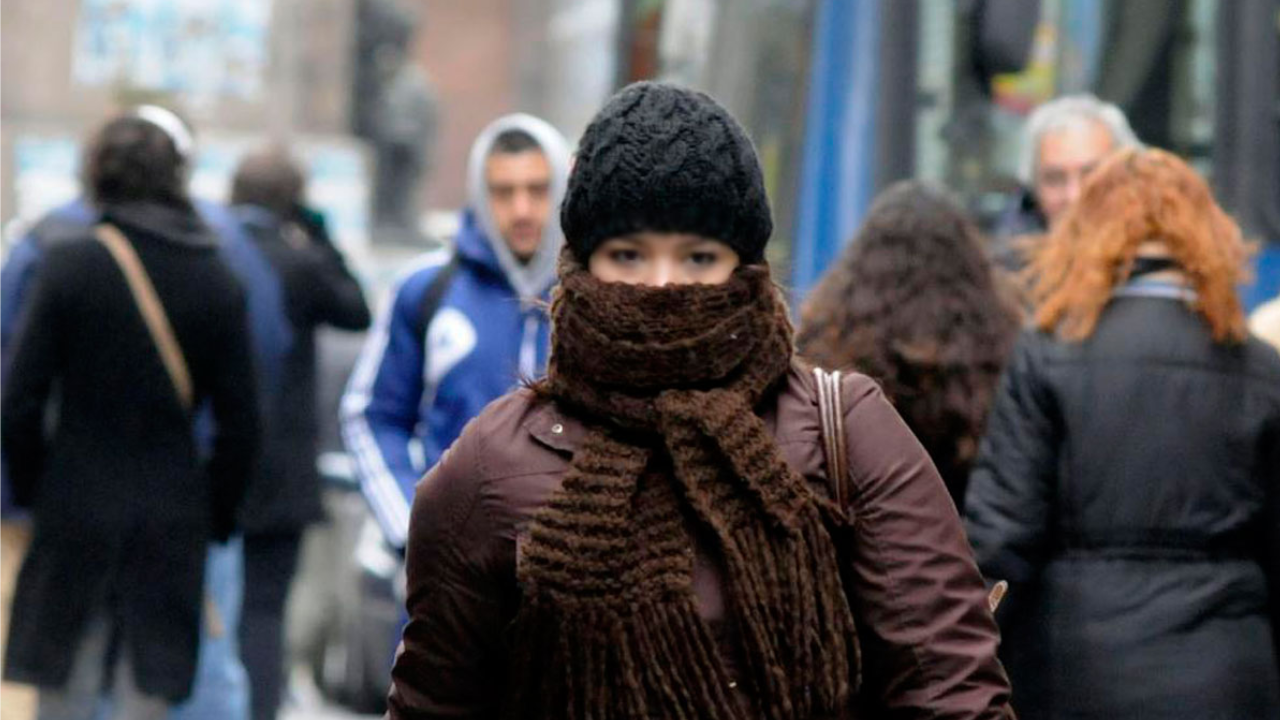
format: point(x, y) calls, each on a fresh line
point(413, 391)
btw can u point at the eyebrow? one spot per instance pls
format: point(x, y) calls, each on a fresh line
point(512, 186)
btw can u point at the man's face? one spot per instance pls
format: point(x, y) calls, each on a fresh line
point(520, 198)
point(1067, 155)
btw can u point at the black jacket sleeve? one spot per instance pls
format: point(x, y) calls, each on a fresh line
point(38, 359)
point(232, 394)
point(333, 294)
point(336, 297)
point(1009, 505)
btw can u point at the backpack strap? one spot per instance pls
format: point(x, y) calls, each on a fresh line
point(148, 303)
point(434, 295)
point(834, 444)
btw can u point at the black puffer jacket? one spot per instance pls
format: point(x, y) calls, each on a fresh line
point(1129, 488)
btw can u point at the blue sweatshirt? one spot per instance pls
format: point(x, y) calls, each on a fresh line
point(414, 389)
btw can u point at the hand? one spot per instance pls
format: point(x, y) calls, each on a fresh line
point(997, 594)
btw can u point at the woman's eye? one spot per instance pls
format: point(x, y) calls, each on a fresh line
point(624, 257)
point(703, 259)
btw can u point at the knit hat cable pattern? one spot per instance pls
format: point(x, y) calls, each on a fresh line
point(663, 158)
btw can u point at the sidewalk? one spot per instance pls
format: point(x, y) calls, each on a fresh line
point(17, 702)
point(306, 703)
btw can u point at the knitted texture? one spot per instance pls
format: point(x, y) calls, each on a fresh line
point(666, 159)
point(668, 380)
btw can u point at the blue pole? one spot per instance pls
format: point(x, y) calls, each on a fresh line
point(839, 150)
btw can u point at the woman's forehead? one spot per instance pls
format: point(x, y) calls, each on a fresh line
point(664, 239)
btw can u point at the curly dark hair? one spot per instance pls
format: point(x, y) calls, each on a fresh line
point(132, 160)
point(914, 302)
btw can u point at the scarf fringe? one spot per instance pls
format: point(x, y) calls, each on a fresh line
point(604, 664)
point(660, 659)
point(799, 636)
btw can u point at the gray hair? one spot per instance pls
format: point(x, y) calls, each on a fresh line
point(1065, 112)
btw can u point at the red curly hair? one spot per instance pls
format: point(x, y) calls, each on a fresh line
point(1134, 197)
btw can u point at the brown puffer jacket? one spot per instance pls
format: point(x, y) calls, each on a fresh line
point(928, 641)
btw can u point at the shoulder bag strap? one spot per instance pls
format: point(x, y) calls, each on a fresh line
point(144, 296)
point(148, 303)
point(831, 417)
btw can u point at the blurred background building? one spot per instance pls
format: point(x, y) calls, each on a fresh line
point(842, 96)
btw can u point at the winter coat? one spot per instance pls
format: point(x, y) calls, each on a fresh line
point(421, 379)
point(264, 296)
point(284, 494)
point(1128, 488)
point(928, 641)
point(123, 504)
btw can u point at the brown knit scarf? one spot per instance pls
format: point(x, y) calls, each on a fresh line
point(668, 380)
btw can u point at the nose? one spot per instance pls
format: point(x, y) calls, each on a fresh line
point(522, 204)
point(1074, 184)
point(663, 273)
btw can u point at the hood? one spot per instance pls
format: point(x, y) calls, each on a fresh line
point(472, 243)
point(181, 226)
point(530, 279)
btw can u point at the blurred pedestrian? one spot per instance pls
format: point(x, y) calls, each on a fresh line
point(136, 324)
point(221, 688)
point(1063, 141)
point(284, 497)
point(464, 326)
point(651, 531)
point(1127, 484)
point(913, 303)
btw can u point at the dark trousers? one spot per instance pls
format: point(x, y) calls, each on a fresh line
point(270, 562)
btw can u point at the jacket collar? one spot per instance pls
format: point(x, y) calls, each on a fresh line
point(476, 249)
point(178, 225)
point(256, 216)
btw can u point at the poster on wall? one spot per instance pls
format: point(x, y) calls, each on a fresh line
point(205, 50)
point(45, 175)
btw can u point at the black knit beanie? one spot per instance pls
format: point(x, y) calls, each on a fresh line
point(664, 158)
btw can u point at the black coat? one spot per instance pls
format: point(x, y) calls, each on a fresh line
point(284, 494)
point(1129, 489)
point(99, 446)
